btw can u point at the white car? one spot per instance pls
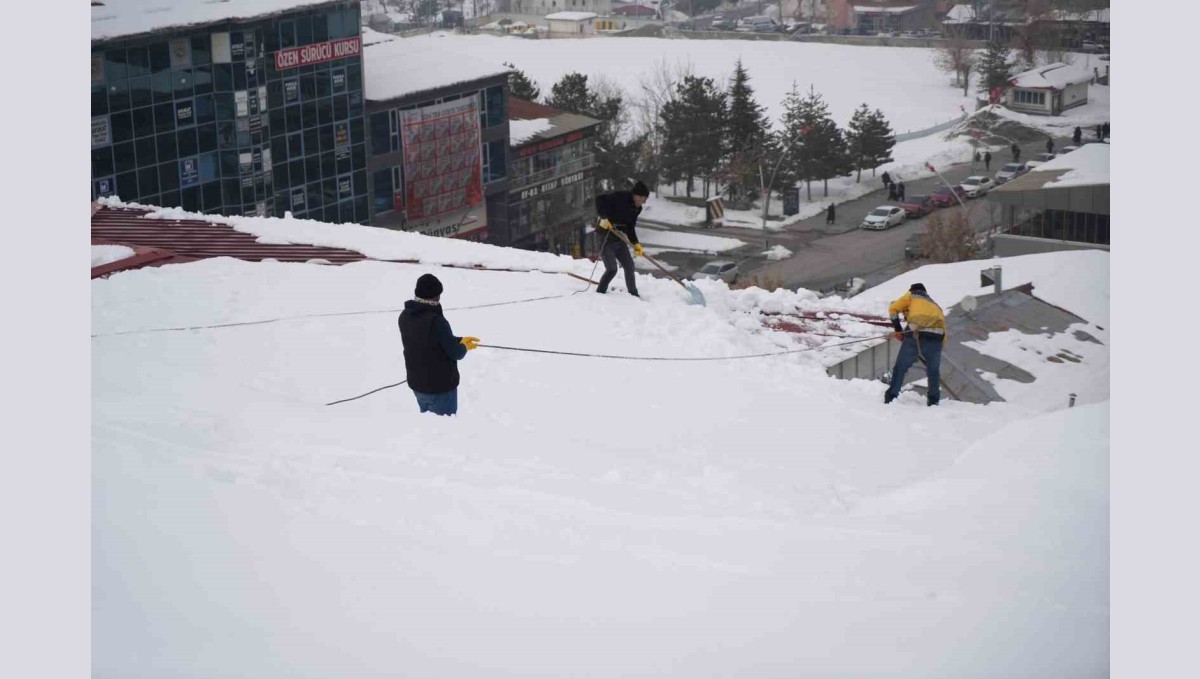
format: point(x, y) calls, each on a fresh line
point(1039, 159)
point(726, 271)
point(883, 217)
point(977, 185)
point(1010, 171)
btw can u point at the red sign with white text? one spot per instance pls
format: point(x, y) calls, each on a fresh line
point(294, 57)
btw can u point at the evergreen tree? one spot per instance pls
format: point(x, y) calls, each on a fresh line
point(882, 139)
point(746, 133)
point(572, 94)
point(869, 140)
point(821, 154)
point(692, 127)
point(994, 69)
point(520, 85)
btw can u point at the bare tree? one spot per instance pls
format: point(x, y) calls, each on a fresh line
point(656, 87)
point(1033, 35)
point(949, 237)
point(957, 56)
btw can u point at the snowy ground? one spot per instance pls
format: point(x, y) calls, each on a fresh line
point(909, 159)
point(580, 516)
point(1093, 113)
point(902, 82)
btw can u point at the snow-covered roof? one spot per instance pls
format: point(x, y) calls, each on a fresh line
point(1054, 76)
point(521, 130)
point(570, 16)
point(960, 14)
point(1086, 166)
point(117, 18)
point(396, 67)
point(862, 9)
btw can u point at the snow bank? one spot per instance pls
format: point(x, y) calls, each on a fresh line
point(107, 254)
point(1087, 166)
point(777, 252)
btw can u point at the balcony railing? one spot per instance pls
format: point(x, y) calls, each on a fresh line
point(516, 182)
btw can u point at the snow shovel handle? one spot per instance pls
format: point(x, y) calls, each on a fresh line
point(653, 261)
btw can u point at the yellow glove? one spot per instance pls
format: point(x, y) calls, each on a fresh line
point(605, 224)
point(469, 342)
point(637, 249)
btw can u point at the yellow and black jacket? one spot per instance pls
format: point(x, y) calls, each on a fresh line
point(920, 312)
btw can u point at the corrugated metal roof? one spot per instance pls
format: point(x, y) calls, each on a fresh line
point(177, 240)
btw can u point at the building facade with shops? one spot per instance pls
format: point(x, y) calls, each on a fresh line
point(551, 199)
point(231, 108)
point(437, 140)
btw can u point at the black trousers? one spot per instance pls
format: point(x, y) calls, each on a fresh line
point(615, 251)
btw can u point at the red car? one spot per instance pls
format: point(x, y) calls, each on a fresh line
point(917, 206)
point(944, 198)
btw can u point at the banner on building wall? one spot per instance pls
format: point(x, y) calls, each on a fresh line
point(442, 158)
point(318, 52)
point(101, 132)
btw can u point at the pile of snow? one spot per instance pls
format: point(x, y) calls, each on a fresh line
point(107, 254)
point(777, 252)
point(570, 16)
point(520, 131)
point(619, 516)
point(675, 240)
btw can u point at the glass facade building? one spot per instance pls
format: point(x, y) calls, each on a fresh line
point(242, 117)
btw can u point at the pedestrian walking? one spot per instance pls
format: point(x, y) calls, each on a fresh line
point(1107, 131)
point(987, 160)
point(922, 339)
point(887, 178)
point(1016, 151)
point(431, 350)
point(830, 214)
point(1077, 137)
point(1049, 145)
point(891, 192)
point(620, 210)
point(975, 160)
point(1099, 132)
point(900, 192)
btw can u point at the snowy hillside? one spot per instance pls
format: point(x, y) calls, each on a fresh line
point(903, 83)
point(580, 516)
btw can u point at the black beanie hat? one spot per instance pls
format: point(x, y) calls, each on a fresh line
point(640, 189)
point(428, 287)
point(917, 287)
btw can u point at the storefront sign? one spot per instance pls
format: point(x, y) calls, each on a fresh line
point(242, 101)
point(101, 133)
point(291, 90)
point(184, 113)
point(551, 144)
point(317, 53)
point(339, 80)
point(344, 188)
point(552, 185)
point(189, 172)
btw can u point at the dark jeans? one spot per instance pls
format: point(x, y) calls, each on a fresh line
point(931, 349)
point(616, 251)
point(445, 403)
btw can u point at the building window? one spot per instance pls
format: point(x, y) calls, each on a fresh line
point(494, 161)
point(491, 107)
point(1029, 98)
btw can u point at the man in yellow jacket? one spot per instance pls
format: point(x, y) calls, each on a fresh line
point(923, 339)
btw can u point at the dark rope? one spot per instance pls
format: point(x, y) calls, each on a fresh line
point(355, 398)
point(684, 358)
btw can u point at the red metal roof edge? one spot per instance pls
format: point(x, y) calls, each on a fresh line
point(523, 109)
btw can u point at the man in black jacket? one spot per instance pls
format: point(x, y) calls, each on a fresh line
point(431, 351)
point(620, 209)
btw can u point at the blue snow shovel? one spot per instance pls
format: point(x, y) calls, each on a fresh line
point(697, 297)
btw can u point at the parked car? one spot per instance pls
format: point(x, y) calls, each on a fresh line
point(912, 245)
point(1039, 159)
point(917, 206)
point(719, 270)
point(1090, 46)
point(883, 217)
point(977, 185)
point(720, 23)
point(944, 197)
point(1010, 171)
point(766, 25)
